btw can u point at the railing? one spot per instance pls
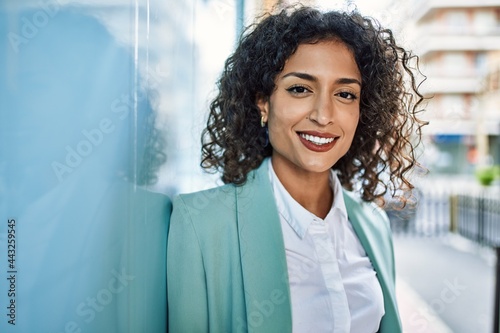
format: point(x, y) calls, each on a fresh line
point(438, 210)
point(478, 218)
point(428, 216)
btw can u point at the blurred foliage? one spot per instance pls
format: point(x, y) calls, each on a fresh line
point(486, 175)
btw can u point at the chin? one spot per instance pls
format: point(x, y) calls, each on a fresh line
point(319, 168)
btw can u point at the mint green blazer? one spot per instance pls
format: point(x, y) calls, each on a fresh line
point(226, 263)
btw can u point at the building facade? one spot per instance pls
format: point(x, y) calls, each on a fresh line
point(458, 44)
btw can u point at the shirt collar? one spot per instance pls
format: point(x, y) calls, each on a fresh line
point(297, 216)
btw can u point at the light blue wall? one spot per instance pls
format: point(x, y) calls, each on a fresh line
point(78, 144)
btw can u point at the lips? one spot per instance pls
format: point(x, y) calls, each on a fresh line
point(316, 141)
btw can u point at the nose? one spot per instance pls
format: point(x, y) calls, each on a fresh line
point(323, 110)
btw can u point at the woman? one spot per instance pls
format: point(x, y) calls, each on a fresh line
point(309, 103)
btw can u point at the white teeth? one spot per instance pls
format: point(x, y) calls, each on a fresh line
point(316, 139)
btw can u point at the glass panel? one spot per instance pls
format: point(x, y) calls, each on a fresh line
point(83, 136)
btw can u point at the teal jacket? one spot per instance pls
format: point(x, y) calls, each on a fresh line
point(226, 263)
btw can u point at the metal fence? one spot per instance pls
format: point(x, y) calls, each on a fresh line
point(478, 218)
point(429, 215)
point(469, 210)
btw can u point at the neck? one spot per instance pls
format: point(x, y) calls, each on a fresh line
point(310, 189)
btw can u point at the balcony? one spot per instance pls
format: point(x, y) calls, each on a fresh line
point(439, 43)
point(451, 85)
point(451, 118)
point(423, 9)
point(449, 127)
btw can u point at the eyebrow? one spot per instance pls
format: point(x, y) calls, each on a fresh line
point(309, 77)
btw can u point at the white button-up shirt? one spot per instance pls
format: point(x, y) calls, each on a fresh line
point(333, 285)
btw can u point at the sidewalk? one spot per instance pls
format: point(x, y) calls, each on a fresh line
point(444, 284)
point(416, 315)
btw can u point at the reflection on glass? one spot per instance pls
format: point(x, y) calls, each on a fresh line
point(80, 144)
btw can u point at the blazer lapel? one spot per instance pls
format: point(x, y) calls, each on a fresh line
point(368, 232)
point(374, 235)
point(263, 258)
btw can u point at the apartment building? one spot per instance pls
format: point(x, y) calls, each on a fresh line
point(488, 139)
point(458, 43)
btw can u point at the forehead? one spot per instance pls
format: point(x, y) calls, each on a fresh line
point(323, 58)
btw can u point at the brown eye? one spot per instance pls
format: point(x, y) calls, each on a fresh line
point(298, 90)
point(347, 95)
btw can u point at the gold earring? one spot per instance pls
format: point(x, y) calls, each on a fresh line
point(262, 122)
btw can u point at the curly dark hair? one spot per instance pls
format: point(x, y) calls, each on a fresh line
point(388, 131)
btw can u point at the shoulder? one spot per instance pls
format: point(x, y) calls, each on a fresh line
point(207, 218)
point(223, 200)
point(206, 202)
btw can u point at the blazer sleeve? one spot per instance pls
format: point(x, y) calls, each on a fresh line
point(187, 290)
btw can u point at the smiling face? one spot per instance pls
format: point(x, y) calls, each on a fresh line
point(313, 112)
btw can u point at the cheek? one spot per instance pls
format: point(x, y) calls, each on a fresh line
point(280, 120)
point(350, 132)
point(355, 123)
point(274, 127)
point(351, 123)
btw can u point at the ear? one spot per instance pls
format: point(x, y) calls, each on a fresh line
point(262, 103)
